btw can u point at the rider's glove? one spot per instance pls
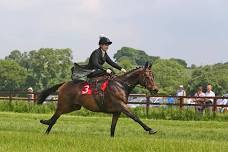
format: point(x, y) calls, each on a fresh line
point(123, 70)
point(108, 71)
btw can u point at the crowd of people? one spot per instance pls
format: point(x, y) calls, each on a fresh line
point(203, 101)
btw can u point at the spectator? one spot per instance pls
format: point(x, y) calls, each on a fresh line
point(30, 94)
point(181, 91)
point(199, 93)
point(209, 93)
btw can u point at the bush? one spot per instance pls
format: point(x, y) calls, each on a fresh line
point(26, 107)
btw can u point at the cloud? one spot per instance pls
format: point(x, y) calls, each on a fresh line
point(15, 5)
point(91, 6)
point(172, 28)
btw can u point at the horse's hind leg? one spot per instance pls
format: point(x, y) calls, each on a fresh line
point(57, 114)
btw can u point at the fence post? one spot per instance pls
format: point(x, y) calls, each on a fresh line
point(214, 106)
point(181, 102)
point(34, 97)
point(10, 96)
point(147, 105)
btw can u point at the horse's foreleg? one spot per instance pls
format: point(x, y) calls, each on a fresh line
point(51, 121)
point(127, 112)
point(115, 117)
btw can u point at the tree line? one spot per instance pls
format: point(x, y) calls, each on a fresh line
point(47, 66)
point(38, 68)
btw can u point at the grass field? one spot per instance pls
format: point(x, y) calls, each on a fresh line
point(23, 132)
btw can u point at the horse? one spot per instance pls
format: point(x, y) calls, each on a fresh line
point(115, 97)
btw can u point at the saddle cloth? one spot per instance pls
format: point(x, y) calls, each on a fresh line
point(91, 88)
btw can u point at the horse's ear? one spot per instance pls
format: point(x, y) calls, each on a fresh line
point(150, 66)
point(146, 65)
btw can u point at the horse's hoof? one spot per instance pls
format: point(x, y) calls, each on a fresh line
point(152, 131)
point(43, 122)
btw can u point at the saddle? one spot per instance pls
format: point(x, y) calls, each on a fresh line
point(93, 88)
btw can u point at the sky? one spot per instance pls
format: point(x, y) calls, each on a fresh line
point(193, 30)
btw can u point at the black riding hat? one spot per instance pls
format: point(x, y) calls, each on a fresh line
point(104, 40)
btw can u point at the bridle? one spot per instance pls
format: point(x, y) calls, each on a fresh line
point(144, 80)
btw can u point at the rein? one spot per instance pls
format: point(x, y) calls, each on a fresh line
point(125, 83)
point(129, 85)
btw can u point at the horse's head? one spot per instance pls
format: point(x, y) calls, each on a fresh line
point(146, 78)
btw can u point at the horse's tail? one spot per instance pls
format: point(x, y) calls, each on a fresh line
point(45, 93)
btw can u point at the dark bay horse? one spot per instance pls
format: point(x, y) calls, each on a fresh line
point(115, 97)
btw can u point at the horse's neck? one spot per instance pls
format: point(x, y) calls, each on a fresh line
point(129, 80)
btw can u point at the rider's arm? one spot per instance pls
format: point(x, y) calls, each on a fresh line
point(113, 64)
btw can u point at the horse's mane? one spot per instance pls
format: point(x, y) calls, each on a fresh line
point(130, 72)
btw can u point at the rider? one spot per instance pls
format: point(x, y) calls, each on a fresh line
point(99, 57)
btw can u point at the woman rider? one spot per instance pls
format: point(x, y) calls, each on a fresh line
point(99, 57)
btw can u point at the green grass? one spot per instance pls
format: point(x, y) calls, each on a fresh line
point(23, 132)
